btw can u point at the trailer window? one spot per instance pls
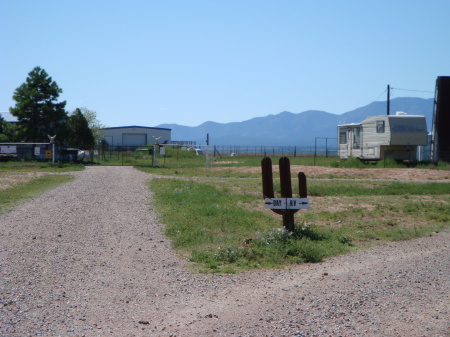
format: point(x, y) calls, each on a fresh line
point(380, 126)
point(343, 137)
point(356, 138)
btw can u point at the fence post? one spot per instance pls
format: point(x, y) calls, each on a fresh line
point(315, 150)
point(155, 149)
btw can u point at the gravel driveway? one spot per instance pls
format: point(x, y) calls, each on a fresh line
point(89, 259)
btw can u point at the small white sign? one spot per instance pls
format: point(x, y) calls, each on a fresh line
point(8, 149)
point(286, 203)
point(37, 151)
point(162, 151)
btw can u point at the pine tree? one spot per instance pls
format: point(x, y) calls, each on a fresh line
point(37, 110)
point(94, 124)
point(79, 132)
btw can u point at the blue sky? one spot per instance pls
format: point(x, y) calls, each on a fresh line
point(148, 62)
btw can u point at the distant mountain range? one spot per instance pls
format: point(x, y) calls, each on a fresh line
point(299, 129)
point(287, 128)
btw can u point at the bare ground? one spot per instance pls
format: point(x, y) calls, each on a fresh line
point(89, 259)
point(9, 179)
point(406, 174)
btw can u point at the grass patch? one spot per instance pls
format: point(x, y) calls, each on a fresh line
point(35, 166)
point(220, 224)
point(19, 187)
point(370, 219)
point(220, 234)
point(358, 188)
point(11, 196)
point(201, 215)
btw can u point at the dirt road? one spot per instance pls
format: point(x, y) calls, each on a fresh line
point(89, 259)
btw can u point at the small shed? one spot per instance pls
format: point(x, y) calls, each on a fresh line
point(131, 136)
point(378, 137)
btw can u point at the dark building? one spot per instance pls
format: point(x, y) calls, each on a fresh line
point(440, 137)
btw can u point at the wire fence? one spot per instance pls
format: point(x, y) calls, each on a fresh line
point(263, 151)
point(147, 155)
point(152, 155)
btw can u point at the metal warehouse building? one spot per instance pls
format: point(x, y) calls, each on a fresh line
point(135, 135)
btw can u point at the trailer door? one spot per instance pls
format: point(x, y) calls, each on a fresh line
point(354, 143)
point(343, 142)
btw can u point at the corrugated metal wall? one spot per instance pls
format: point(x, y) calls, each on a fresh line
point(135, 135)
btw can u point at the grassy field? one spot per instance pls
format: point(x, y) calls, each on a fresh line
point(22, 180)
point(218, 221)
point(34, 166)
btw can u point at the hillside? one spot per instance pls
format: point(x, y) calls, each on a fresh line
point(287, 128)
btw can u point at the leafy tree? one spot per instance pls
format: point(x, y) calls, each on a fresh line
point(94, 124)
point(37, 110)
point(9, 133)
point(79, 132)
point(2, 122)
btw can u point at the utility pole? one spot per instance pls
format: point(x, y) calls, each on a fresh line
point(207, 150)
point(388, 99)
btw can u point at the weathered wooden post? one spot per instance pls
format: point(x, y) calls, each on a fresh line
point(267, 181)
point(302, 189)
point(286, 192)
point(286, 205)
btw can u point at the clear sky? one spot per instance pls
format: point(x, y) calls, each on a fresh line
point(148, 62)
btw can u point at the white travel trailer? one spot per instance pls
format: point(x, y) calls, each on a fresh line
point(379, 137)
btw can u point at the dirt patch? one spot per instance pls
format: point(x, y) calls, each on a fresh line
point(339, 204)
point(10, 179)
point(226, 162)
point(404, 174)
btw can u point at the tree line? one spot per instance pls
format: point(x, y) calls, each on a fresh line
point(40, 115)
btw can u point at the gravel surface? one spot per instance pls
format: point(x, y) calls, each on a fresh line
point(89, 259)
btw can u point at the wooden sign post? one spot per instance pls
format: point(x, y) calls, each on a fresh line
point(286, 205)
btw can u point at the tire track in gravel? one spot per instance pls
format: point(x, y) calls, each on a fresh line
point(89, 259)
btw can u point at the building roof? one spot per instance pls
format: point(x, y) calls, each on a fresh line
point(136, 126)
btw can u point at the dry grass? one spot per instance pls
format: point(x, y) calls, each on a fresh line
point(11, 179)
point(319, 172)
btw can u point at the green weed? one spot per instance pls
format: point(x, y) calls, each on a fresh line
point(222, 226)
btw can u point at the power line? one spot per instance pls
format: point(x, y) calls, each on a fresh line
point(431, 92)
point(376, 99)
